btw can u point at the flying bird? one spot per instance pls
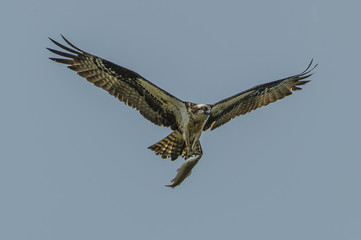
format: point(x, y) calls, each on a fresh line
point(187, 120)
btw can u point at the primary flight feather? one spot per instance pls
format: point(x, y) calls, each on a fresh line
point(187, 120)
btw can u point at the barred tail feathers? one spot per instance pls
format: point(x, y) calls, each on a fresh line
point(171, 146)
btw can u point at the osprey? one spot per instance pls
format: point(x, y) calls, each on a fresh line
point(187, 120)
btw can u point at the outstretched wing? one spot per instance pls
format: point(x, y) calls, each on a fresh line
point(155, 104)
point(261, 95)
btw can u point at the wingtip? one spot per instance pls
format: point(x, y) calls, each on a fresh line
point(55, 42)
point(309, 69)
point(303, 82)
point(70, 44)
point(67, 48)
point(66, 40)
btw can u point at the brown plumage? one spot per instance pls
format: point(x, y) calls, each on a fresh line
point(256, 97)
point(187, 120)
point(153, 103)
point(173, 146)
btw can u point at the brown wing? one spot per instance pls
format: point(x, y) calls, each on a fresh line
point(261, 95)
point(153, 103)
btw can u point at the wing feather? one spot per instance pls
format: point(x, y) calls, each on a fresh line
point(155, 104)
point(256, 97)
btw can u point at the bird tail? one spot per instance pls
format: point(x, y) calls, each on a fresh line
point(170, 146)
point(173, 146)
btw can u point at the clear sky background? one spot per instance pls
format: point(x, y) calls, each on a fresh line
point(74, 162)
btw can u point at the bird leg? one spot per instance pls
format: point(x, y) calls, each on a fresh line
point(186, 169)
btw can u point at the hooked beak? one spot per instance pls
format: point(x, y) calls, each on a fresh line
point(207, 112)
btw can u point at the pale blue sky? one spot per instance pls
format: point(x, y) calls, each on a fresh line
point(74, 160)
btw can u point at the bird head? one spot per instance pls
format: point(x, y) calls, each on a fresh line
point(203, 109)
